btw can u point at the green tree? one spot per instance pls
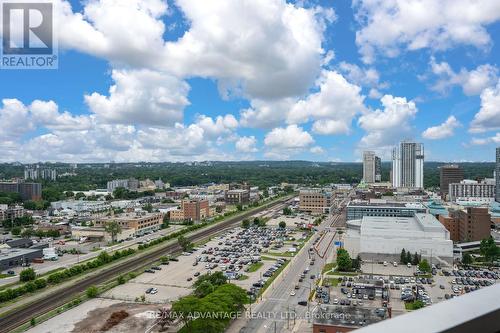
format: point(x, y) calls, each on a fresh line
point(489, 250)
point(148, 207)
point(418, 304)
point(27, 233)
point(402, 257)
point(16, 231)
point(120, 193)
point(113, 228)
point(282, 224)
point(424, 266)
point(70, 194)
point(356, 263)
point(216, 279)
point(30, 205)
point(164, 259)
point(104, 257)
point(245, 224)
point(184, 307)
point(287, 211)
point(466, 259)
point(416, 259)
point(259, 222)
point(204, 288)
point(408, 257)
point(225, 300)
point(185, 243)
point(344, 262)
point(121, 279)
point(52, 194)
point(27, 274)
point(92, 292)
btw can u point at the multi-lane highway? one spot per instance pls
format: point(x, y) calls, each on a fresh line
point(278, 310)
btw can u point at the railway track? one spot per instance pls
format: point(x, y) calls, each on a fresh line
point(11, 321)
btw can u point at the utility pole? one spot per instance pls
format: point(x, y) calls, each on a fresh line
point(287, 317)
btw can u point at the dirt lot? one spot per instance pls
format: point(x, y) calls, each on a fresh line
point(90, 316)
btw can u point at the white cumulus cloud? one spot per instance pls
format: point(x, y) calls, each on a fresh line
point(473, 82)
point(488, 117)
point(333, 107)
point(290, 137)
point(445, 130)
point(246, 144)
point(391, 26)
point(384, 127)
point(141, 97)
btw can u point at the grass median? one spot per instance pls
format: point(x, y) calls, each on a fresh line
point(255, 267)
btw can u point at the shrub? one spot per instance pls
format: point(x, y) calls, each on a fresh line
point(30, 287)
point(27, 274)
point(92, 292)
point(40, 283)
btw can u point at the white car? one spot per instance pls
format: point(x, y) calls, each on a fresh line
point(335, 301)
point(408, 265)
point(153, 291)
point(292, 293)
point(385, 263)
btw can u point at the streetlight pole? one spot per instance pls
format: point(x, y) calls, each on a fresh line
point(287, 317)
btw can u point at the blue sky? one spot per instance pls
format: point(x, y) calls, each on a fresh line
point(269, 79)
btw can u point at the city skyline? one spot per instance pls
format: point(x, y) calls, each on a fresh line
point(195, 83)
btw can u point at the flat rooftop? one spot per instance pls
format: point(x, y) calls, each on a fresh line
point(131, 216)
point(382, 204)
point(15, 252)
point(420, 222)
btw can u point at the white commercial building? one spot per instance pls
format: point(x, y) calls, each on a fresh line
point(472, 191)
point(422, 234)
point(408, 165)
point(80, 206)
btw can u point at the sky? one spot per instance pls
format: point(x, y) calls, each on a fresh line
point(189, 80)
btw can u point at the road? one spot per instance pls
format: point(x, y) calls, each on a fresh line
point(275, 313)
point(277, 309)
point(53, 300)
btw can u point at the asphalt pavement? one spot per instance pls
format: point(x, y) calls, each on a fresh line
point(277, 310)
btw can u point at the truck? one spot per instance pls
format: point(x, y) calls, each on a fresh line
point(50, 254)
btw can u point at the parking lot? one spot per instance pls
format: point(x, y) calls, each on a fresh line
point(402, 285)
point(292, 221)
point(236, 252)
